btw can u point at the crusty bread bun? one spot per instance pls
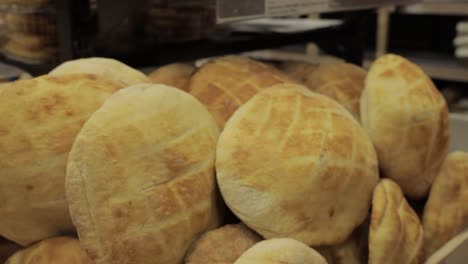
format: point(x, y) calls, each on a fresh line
point(343, 82)
point(109, 68)
point(176, 75)
point(223, 245)
point(293, 163)
point(140, 177)
point(280, 250)
point(396, 234)
point(57, 250)
point(39, 119)
point(407, 120)
point(226, 83)
point(446, 211)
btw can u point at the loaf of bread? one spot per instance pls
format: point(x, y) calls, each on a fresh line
point(407, 120)
point(140, 177)
point(396, 234)
point(39, 119)
point(446, 211)
point(57, 250)
point(176, 75)
point(109, 68)
point(280, 250)
point(293, 163)
point(224, 84)
point(223, 245)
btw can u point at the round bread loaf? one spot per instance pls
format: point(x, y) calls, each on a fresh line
point(7, 248)
point(407, 120)
point(39, 120)
point(175, 75)
point(109, 68)
point(57, 250)
point(396, 234)
point(446, 211)
point(343, 82)
point(140, 177)
point(224, 84)
point(293, 163)
point(223, 245)
point(280, 250)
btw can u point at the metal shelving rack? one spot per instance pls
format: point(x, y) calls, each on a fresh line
point(77, 29)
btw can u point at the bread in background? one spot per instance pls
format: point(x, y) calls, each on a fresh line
point(446, 211)
point(281, 250)
point(106, 67)
point(57, 250)
point(223, 245)
point(396, 234)
point(176, 75)
point(224, 84)
point(407, 120)
point(293, 163)
point(39, 119)
point(140, 177)
point(299, 71)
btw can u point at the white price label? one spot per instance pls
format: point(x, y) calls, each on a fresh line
point(294, 7)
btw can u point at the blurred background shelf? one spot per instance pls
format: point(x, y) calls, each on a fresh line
point(457, 8)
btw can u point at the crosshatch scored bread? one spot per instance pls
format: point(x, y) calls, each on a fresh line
point(176, 75)
point(407, 120)
point(39, 120)
point(224, 84)
point(293, 163)
point(140, 177)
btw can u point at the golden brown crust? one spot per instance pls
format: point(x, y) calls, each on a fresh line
point(293, 163)
point(176, 75)
point(343, 82)
point(140, 179)
point(446, 211)
point(108, 68)
point(39, 119)
point(224, 84)
point(396, 234)
point(58, 250)
point(223, 245)
point(280, 250)
point(407, 119)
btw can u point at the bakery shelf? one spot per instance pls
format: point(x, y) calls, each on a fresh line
point(437, 66)
point(450, 8)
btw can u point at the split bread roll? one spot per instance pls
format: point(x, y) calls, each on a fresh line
point(407, 120)
point(58, 250)
point(223, 245)
point(140, 177)
point(343, 82)
point(176, 75)
point(7, 248)
point(39, 119)
point(226, 83)
point(109, 68)
point(280, 250)
point(446, 211)
point(396, 234)
point(293, 163)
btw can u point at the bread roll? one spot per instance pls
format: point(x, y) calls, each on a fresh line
point(226, 83)
point(58, 250)
point(395, 235)
point(7, 248)
point(299, 71)
point(223, 245)
point(280, 250)
point(348, 252)
point(292, 163)
point(343, 82)
point(175, 75)
point(407, 120)
point(446, 211)
point(39, 120)
point(109, 68)
point(140, 179)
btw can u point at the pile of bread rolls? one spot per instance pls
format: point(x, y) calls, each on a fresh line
point(102, 164)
